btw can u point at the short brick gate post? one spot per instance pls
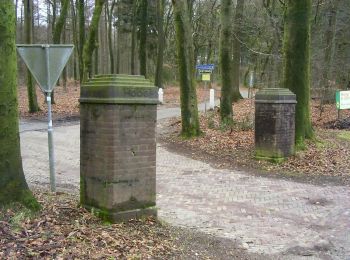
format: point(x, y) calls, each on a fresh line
point(117, 147)
point(274, 124)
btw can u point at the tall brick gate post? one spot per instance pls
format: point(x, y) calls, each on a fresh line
point(117, 147)
point(274, 124)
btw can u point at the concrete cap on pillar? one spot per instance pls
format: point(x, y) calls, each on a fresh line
point(119, 89)
point(275, 95)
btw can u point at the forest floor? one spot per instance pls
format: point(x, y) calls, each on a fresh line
point(61, 230)
point(326, 158)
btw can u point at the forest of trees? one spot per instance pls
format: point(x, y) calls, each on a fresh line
point(130, 33)
point(163, 40)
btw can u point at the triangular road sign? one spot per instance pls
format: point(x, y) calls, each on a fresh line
point(45, 62)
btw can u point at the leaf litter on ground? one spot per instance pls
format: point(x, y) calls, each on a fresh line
point(234, 146)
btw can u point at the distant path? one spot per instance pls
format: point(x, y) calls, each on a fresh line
point(162, 113)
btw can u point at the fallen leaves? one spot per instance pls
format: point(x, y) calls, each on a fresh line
point(172, 94)
point(63, 230)
point(66, 102)
point(327, 155)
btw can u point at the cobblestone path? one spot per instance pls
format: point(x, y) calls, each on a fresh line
point(270, 216)
point(283, 219)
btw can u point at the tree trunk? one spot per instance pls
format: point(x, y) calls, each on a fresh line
point(184, 44)
point(28, 16)
point(75, 39)
point(59, 26)
point(143, 37)
point(110, 40)
point(13, 186)
point(96, 53)
point(161, 42)
point(64, 72)
point(236, 62)
point(297, 64)
point(133, 37)
point(329, 51)
point(225, 63)
point(90, 44)
point(81, 22)
point(54, 13)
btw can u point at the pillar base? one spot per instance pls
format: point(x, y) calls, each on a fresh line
point(122, 216)
point(270, 159)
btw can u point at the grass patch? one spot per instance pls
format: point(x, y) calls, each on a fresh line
point(344, 135)
point(16, 214)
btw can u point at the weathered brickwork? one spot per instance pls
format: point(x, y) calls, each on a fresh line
point(118, 159)
point(274, 124)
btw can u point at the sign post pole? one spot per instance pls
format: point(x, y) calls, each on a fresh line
point(205, 99)
point(50, 126)
point(50, 141)
point(205, 70)
point(46, 63)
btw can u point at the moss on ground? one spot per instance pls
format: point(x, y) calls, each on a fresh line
point(344, 135)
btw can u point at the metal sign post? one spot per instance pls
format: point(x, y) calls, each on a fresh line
point(46, 63)
point(205, 70)
point(205, 78)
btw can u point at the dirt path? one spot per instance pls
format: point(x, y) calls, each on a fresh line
point(266, 216)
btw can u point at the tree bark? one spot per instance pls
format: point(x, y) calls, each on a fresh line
point(109, 12)
point(184, 44)
point(75, 39)
point(236, 60)
point(28, 16)
point(329, 51)
point(133, 37)
point(13, 186)
point(59, 26)
point(297, 64)
point(143, 37)
point(90, 44)
point(226, 112)
point(81, 24)
point(161, 42)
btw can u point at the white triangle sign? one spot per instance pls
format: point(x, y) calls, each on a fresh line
point(45, 62)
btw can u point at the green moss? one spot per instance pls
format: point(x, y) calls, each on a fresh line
point(82, 190)
point(29, 201)
point(345, 135)
point(322, 144)
point(271, 159)
point(20, 214)
point(274, 157)
point(106, 214)
point(16, 191)
point(300, 144)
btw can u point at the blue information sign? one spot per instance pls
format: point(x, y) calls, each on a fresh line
point(205, 67)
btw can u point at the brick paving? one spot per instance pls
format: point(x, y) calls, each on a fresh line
point(271, 216)
point(283, 219)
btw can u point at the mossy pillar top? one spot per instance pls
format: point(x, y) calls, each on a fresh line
point(118, 147)
point(119, 89)
point(274, 123)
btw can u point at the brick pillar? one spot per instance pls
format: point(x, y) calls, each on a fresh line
point(118, 148)
point(274, 124)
